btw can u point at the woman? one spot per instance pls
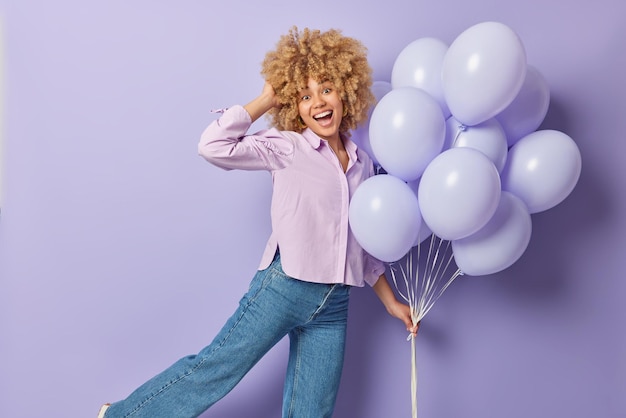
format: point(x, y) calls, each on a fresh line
point(316, 90)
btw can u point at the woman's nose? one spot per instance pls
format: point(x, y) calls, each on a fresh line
point(318, 101)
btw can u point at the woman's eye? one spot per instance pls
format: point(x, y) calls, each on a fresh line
point(326, 90)
point(305, 97)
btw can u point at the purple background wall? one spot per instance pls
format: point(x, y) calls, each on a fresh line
point(121, 250)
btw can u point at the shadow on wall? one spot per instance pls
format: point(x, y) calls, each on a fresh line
point(556, 230)
point(364, 324)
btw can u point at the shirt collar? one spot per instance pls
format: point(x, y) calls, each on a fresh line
point(312, 138)
point(315, 141)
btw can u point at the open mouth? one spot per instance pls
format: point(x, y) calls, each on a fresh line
point(324, 116)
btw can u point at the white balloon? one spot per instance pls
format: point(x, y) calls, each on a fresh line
point(542, 169)
point(419, 65)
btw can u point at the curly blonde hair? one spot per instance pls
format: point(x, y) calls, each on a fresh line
point(322, 56)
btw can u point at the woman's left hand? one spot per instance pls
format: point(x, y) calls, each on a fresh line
point(395, 308)
point(403, 312)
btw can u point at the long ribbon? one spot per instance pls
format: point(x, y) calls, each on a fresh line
point(413, 380)
point(421, 291)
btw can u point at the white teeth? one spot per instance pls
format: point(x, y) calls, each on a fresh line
point(321, 115)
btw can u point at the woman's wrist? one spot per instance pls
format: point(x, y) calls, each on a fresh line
point(262, 103)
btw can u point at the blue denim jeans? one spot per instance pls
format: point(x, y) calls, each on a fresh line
point(313, 315)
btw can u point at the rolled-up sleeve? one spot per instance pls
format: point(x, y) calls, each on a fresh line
point(373, 269)
point(225, 143)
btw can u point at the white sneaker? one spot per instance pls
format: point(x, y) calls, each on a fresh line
point(103, 409)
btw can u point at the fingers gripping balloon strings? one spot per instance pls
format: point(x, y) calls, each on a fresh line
point(425, 274)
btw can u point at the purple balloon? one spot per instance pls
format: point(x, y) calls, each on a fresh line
point(529, 108)
point(542, 169)
point(407, 130)
point(360, 136)
point(458, 193)
point(385, 217)
point(500, 243)
point(424, 231)
point(483, 71)
point(419, 65)
point(487, 137)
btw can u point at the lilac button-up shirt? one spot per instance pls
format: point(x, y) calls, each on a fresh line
point(310, 200)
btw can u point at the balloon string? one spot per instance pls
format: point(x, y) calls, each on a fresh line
point(460, 128)
point(433, 298)
point(392, 269)
point(413, 379)
point(421, 292)
point(423, 279)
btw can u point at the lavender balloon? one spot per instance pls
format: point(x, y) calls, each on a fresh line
point(483, 71)
point(542, 169)
point(487, 137)
point(419, 65)
point(360, 135)
point(407, 130)
point(458, 193)
point(529, 108)
point(385, 217)
point(500, 243)
point(424, 231)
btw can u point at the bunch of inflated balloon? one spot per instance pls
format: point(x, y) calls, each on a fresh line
point(456, 134)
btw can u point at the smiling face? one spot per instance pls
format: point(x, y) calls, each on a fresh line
point(321, 109)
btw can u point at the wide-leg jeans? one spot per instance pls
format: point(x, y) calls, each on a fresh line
point(313, 315)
